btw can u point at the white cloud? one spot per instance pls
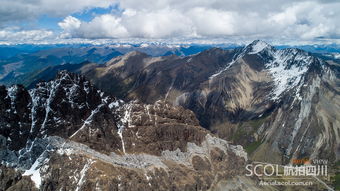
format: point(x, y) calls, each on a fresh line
point(163, 19)
point(15, 35)
point(156, 24)
point(307, 20)
point(198, 18)
point(69, 25)
point(212, 22)
point(103, 26)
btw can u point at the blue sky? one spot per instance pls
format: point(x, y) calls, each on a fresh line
point(299, 21)
point(51, 22)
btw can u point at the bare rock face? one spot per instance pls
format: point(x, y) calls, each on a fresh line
point(11, 179)
point(74, 137)
point(14, 118)
point(154, 128)
point(60, 106)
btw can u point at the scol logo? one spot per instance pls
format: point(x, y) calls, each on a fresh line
point(290, 170)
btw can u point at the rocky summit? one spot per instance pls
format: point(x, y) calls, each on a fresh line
point(75, 137)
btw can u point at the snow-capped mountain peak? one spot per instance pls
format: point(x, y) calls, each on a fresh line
point(257, 46)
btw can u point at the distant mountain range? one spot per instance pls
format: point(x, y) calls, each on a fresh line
point(19, 62)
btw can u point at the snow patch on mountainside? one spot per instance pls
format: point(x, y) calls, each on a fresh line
point(221, 71)
point(253, 48)
point(125, 120)
point(34, 171)
point(12, 91)
point(306, 105)
point(88, 121)
point(83, 174)
point(287, 70)
point(235, 59)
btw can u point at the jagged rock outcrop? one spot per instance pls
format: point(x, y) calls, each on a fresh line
point(15, 115)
